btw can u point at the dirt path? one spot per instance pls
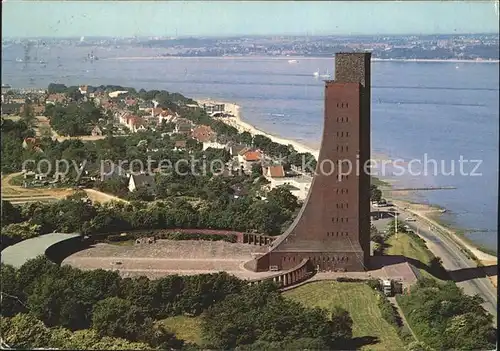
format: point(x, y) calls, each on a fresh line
point(99, 196)
point(16, 192)
point(402, 315)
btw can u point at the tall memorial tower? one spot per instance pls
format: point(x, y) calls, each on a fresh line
point(332, 229)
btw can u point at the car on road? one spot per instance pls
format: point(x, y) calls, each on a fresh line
point(410, 219)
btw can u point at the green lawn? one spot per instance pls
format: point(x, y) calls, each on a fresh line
point(361, 302)
point(408, 247)
point(186, 328)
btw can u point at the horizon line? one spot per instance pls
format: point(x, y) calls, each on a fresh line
point(172, 37)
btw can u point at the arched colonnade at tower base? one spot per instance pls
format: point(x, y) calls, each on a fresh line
point(293, 276)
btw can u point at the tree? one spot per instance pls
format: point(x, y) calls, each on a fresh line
point(259, 314)
point(375, 193)
point(21, 231)
point(56, 303)
point(282, 196)
point(13, 300)
point(245, 138)
point(45, 131)
point(10, 213)
point(341, 325)
point(418, 346)
point(24, 332)
point(256, 170)
point(28, 115)
point(117, 317)
point(33, 270)
point(74, 94)
point(55, 88)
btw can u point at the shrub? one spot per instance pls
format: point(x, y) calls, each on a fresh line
point(374, 284)
point(388, 311)
point(117, 238)
point(197, 236)
point(349, 280)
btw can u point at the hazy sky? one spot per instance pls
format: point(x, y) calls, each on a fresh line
point(215, 18)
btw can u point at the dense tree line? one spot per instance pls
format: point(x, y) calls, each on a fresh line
point(75, 215)
point(13, 153)
point(24, 331)
point(444, 318)
point(261, 318)
point(74, 119)
point(112, 306)
point(57, 88)
point(99, 306)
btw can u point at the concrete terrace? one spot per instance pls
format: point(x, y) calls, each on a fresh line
point(16, 255)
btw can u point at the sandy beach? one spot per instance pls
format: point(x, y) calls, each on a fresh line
point(423, 211)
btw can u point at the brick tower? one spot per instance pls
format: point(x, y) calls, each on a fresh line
point(332, 229)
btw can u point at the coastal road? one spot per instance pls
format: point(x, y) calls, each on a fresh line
point(454, 260)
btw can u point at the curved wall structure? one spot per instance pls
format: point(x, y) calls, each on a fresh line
point(332, 230)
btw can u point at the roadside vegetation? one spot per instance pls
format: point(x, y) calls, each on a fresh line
point(444, 318)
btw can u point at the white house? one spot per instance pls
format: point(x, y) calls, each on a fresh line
point(83, 89)
point(299, 186)
point(114, 94)
point(213, 145)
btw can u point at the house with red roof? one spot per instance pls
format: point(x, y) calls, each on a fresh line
point(180, 145)
point(203, 134)
point(55, 98)
point(130, 101)
point(274, 172)
point(247, 158)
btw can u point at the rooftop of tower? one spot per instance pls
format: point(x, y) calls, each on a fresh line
point(352, 67)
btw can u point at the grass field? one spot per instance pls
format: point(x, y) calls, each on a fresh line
point(407, 246)
point(17, 194)
point(186, 328)
point(361, 302)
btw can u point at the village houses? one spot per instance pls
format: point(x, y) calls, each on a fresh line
point(142, 181)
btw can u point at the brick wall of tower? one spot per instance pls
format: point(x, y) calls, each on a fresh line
point(333, 227)
point(325, 261)
point(356, 68)
point(342, 124)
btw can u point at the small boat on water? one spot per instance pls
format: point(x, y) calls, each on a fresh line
point(6, 86)
point(19, 60)
point(316, 74)
point(325, 75)
point(292, 61)
point(277, 115)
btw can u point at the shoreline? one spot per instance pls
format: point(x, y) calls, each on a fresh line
point(293, 58)
point(423, 211)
